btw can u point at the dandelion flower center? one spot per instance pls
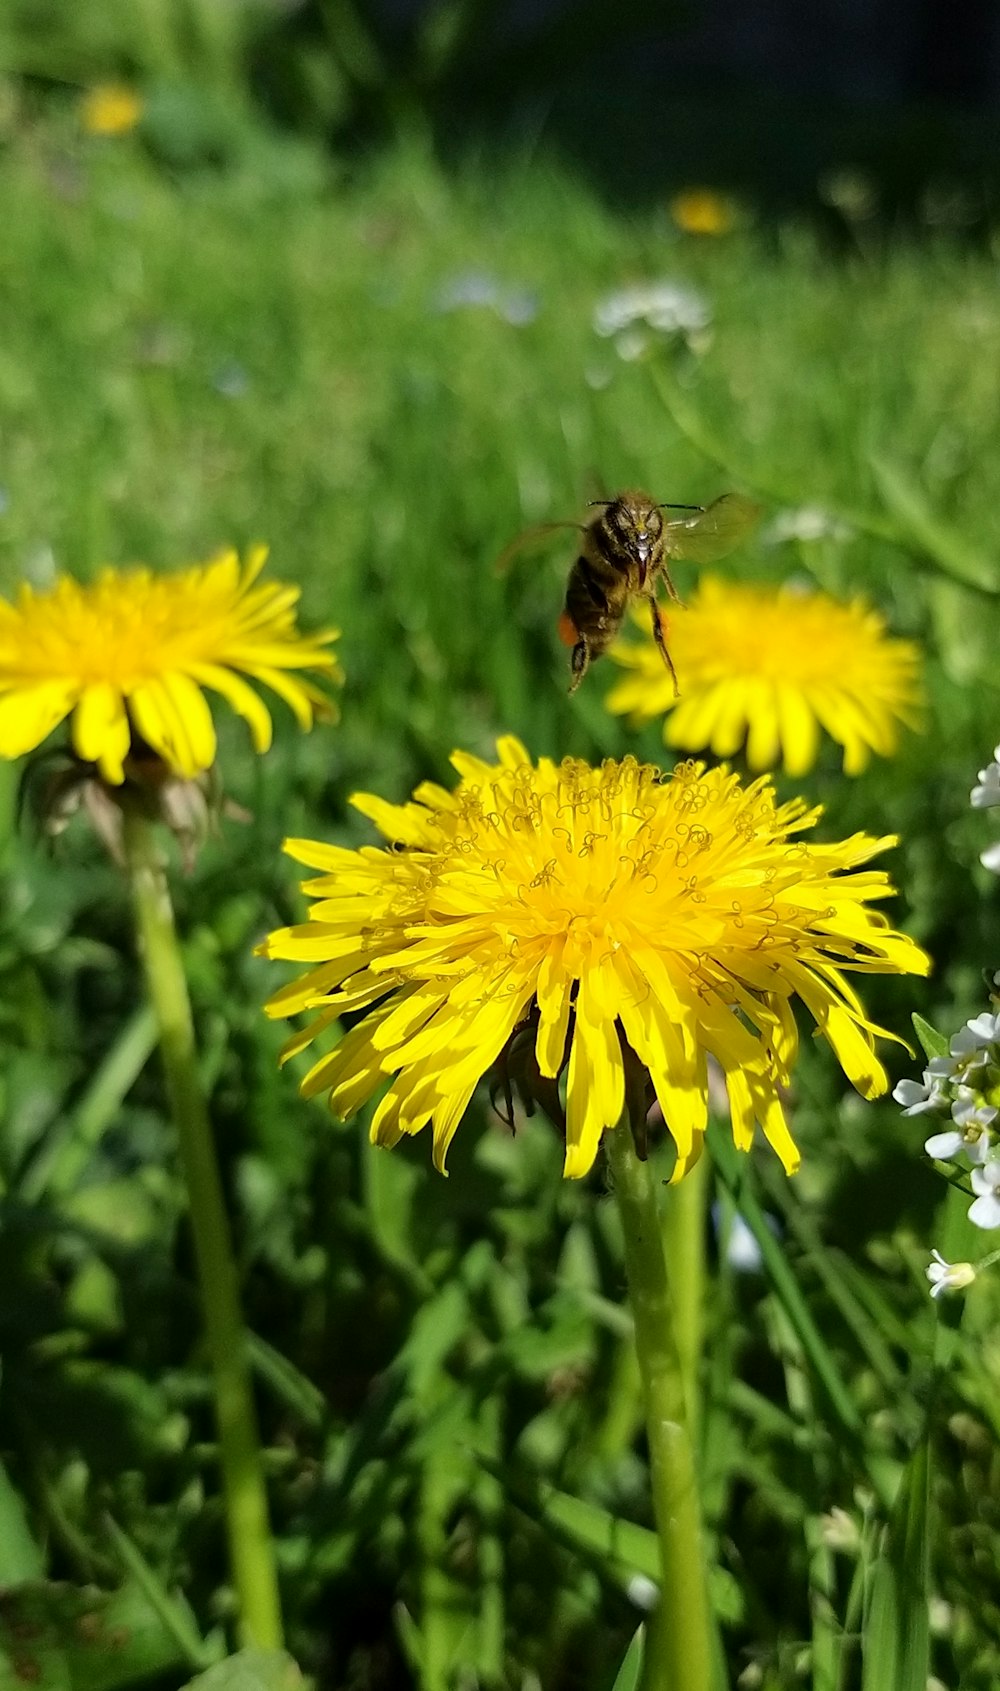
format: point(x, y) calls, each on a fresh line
point(615, 910)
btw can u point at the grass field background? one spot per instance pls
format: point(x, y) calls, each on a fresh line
point(271, 351)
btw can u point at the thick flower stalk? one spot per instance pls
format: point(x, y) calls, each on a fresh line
point(129, 658)
point(620, 918)
point(773, 669)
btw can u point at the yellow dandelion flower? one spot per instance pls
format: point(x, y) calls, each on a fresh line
point(702, 211)
point(130, 655)
point(773, 667)
point(110, 108)
point(623, 915)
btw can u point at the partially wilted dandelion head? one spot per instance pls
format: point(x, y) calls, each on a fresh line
point(129, 657)
point(774, 668)
point(621, 918)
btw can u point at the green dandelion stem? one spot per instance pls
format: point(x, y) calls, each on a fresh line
point(683, 1227)
point(250, 1547)
point(678, 1654)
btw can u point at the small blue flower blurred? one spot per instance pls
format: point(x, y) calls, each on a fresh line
point(478, 290)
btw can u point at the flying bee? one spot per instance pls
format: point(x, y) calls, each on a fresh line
point(625, 552)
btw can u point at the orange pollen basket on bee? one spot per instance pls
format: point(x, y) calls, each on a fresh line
point(569, 634)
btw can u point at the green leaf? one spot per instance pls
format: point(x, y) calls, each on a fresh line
point(934, 1044)
point(391, 1187)
point(170, 1607)
point(66, 1155)
point(288, 1383)
point(834, 1270)
point(630, 1672)
point(620, 1546)
point(249, 1670)
point(733, 1168)
point(20, 1557)
point(919, 526)
point(67, 1639)
point(895, 1640)
point(118, 1417)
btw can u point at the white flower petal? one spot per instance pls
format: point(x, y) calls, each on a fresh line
point(987, 1178)
point(948, 1276)
point(984, 797)
point(943, 1146)
point(985, 1212)
point(910, 1094)
point(965, 1112)
point(974, 1036)
point(978, 1149)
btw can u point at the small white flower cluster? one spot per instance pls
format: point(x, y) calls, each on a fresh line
point(664, 308)
point(965, 1086)
point(984, 796)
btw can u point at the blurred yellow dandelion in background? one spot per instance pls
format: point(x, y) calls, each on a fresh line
point(130, 654)
point(702, 211)
point(627, 916)
point(773, 666)
point(110, 108)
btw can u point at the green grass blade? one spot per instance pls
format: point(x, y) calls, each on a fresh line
point(733, 1168)
point(621, 1547)
point(946, 550)
point(21, 1559)
point(174, 1614)
point(628, 1675)
point(895, 1644)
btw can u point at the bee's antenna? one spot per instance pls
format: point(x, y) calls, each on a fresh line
point(666, 505)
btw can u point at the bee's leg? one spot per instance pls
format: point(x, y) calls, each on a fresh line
point(579, 663)
point(668, 582)
point(660, 638)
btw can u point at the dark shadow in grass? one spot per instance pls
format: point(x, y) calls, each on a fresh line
point(858, 172)
point(776, 104)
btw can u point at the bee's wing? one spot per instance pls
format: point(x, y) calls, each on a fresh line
point(711, 533)
point(527, 537)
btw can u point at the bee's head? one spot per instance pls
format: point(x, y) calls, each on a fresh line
point(636, 524)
